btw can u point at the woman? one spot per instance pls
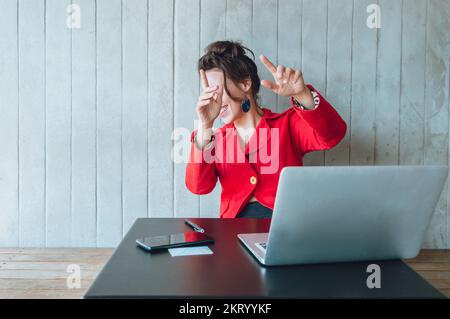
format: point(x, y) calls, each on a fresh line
point(230, 86)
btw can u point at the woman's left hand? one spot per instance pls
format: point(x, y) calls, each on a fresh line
point(288, 82)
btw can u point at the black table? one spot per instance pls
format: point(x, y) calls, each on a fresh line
point(232, 272)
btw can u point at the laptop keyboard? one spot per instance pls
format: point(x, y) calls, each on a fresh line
point(262, 246)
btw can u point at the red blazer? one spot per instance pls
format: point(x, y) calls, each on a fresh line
point(280, 140)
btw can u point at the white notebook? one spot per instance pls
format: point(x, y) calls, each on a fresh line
point(190, 251)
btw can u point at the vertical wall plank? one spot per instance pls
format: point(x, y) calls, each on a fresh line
point(160, 113)
point(84, 220)
point(289, 40)
point(134, 111)
point(436, 110)
point(239, 21)
point(412, 105)
point(364, 57)
point(387, 102)
point(212, 22)
point(212, 28)
point(314, 51)
point(109, 122)
point(339, 72)
point(238, 27)
point(58, 124)
point(264, 31)
point(186, 85)
point(9, 157)
point(32, 123)
point(448, 105)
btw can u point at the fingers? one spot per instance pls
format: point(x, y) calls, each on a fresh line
point(285, 75)
point(219, 94)
point(297, 76)
point(289, 74)
point(220, 89)
point(280, 72)
point(270, 85)
point(204, 79)
point(212, 92)
point(208, 96)
point(210, 89)
point(269, 65)
point(202, 103)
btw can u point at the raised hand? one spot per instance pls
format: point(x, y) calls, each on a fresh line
point(288, 82)
point(209, 102)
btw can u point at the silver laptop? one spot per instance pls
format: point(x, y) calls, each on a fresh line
point(348, 213)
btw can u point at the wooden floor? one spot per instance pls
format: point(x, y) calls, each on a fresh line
point(42, 273)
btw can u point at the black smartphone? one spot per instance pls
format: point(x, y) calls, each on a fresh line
point(190, 238)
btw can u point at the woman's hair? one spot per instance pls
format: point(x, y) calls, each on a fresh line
point(231, 58)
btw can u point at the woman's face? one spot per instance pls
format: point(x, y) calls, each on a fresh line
point(231, 110)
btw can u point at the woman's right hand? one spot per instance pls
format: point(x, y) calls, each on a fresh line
point(209, 102)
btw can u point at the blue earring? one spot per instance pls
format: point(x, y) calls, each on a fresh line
point(245, 105)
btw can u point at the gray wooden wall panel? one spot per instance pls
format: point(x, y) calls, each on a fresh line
point(448, 177)
point(364, 66)
point(58, 125)
point(264, 41)
point(186, 91)
point(314, 55)
point(31, 63)
point(387, 99)
point(436, 108)
point(88, 114)
point(289, 40)
point(412, 99)
point(134, 111)
point(9, 155)
point(161, 107)
point(109, 122)
point(84, 129)
point(339, 72)
point(238, 22)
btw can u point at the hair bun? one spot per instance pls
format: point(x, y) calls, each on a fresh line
point(235, 63)
point(228, 49)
